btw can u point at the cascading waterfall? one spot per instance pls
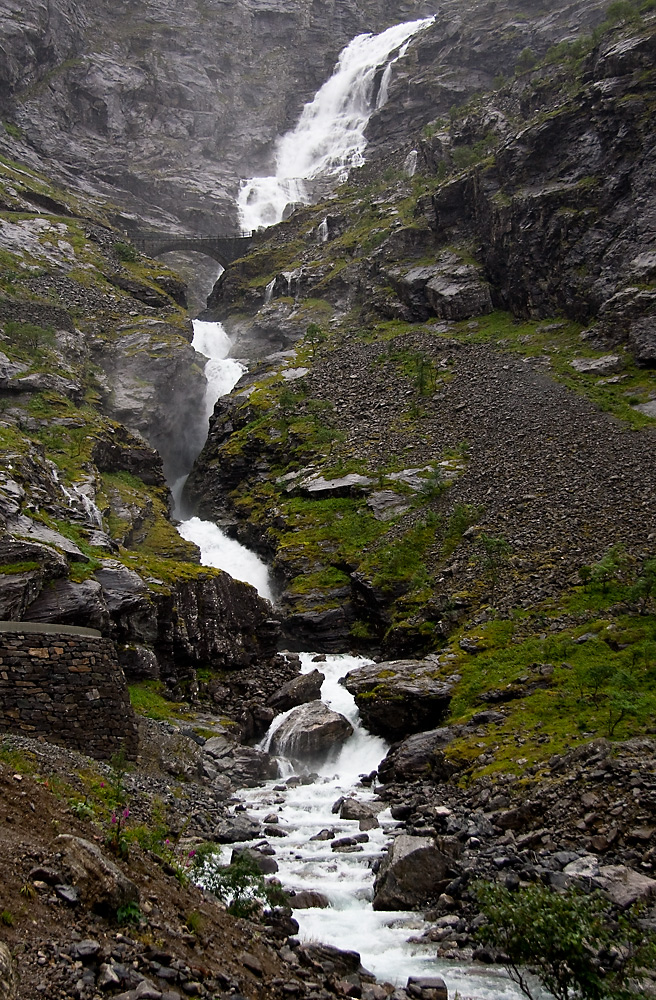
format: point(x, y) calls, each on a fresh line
point(218, 549)
point(326, 143)
point(329, 137)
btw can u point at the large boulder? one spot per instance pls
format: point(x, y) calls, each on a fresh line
point(410, 875)
point(310, 730)
point(298, 691)
point(621, 884)
point(419, 756)
point(399, 697)
point(101, 884)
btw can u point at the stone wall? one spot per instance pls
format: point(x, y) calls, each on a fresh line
point(65, 683)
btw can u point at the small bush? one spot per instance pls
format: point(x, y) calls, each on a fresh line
point(126, 252)
point(241, 885)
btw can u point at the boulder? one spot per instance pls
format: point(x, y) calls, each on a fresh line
point(320, 488)
point(419, 756)
point(310, 730)
point(621, 884)
point(308, 899)
point(102, 885)
point(609, 364)
point(427, 988)
point(399, 697)
point(298, 691)
point(266, 864)
point(236, 830)
point(223, 756)
point(365, 814)
point(410, 875)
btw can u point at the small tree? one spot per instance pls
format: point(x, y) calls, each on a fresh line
point(608, 569)
point(241, 884)
point(568, 940)
point(496, 553)
point(315, 336)
point(644, 589)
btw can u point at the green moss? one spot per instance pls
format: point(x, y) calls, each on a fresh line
point(147, 699)
point(9, 569)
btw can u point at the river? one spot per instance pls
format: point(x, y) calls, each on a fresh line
point(328, 141)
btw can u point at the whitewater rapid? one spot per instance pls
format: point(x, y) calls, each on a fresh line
point(346, 879)
point(328, 139)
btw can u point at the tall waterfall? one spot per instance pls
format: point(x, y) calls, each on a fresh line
point(329, 137)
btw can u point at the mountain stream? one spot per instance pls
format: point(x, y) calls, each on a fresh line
point(327, 141)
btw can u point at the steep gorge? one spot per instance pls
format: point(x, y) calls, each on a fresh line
point(444, 444)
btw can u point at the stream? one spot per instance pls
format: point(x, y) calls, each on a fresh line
point(327, 141)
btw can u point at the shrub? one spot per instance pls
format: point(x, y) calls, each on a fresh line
point(570, 941)
point(126, 252)
point(241, 884)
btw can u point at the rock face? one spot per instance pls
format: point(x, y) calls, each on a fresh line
point(399, 697)
point(310, 730)
point(177, 88)
point(410, 875)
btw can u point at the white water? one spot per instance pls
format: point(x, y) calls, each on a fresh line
point(350, 922)
point(217, 549)
point(329, 137)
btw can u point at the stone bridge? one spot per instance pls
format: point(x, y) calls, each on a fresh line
point(223, 247)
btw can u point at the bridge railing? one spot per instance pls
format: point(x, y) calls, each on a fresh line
point(159, 237)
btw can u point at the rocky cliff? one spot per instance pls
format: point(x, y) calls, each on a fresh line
point(466, 313)
point(96, 373)
point(162, 108)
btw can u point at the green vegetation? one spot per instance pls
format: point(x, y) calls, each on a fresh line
point(126, 252)
point(573, 943)
point(147, 699)
point(240, 884)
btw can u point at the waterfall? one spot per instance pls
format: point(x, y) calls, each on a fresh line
point(268, 291)
point(383, 91)
point(328, 139)
point(305, 808)
point(218, 549)
point(322, 231)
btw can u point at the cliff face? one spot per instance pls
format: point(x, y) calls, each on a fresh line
point(525, 225)
point(96, 373)
point(162, 108)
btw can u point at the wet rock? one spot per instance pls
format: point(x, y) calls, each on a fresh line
point(363, 812)
point(410, 874)
point(308, 899)
point(298, 691)
point(399, 697)
point(310, 730)
point(224, 756)
point(102, 884)
point(421, 755)
point(427, 988)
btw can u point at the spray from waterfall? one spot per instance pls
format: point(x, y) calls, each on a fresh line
point(329, 137)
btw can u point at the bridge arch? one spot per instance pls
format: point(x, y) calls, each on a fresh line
point(222, 248)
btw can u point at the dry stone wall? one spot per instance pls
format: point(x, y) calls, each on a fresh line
point(65, 683)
